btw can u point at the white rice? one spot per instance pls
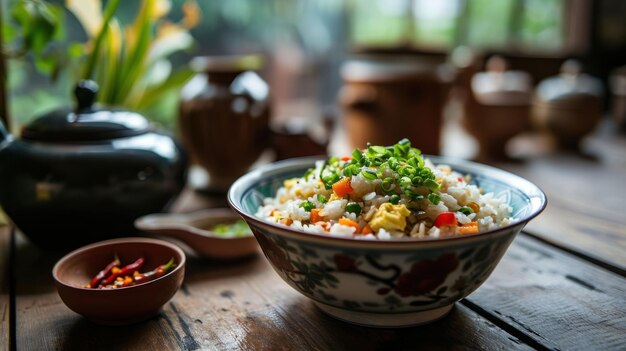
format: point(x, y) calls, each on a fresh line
point(455, 192)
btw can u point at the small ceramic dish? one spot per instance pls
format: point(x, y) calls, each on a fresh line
point(194, 230)
point(125, 305)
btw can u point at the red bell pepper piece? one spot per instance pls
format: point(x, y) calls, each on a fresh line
point(445, 219)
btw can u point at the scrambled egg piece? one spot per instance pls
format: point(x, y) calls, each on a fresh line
point(289, 183)
point(390, 217)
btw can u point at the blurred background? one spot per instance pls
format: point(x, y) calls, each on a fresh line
point(307, 43)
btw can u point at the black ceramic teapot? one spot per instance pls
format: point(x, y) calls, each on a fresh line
point(85, 174)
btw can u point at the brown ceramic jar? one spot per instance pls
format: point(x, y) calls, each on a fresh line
point(224, 116)
point(384, 100)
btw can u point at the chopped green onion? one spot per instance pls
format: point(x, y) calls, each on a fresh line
point(353, 207)
point(375, 149)
point(237, 228)
point(393, 163)
point(417, 180)
point(394, 199)
point(321, 198)
point(350, 170)
point(329, 176)
point(307, 205)
point(466, 210)
point(369, 174)
point(308, 173)
point(357, 155)
point(405, 181)
point(431, 185)
point(434, 198)
point(387, 185)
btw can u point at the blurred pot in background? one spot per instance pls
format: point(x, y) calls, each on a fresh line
point(497, 108)
point(301, 136)
point(568, 106)
point(224, 116)
point(385, 99)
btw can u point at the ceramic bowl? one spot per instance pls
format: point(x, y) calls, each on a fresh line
point(193, 229)
point(384, 283)
point(123, 305)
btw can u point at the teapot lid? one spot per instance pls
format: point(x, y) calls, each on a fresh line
point(87, 122)
point(501, 86)
point(570, 84)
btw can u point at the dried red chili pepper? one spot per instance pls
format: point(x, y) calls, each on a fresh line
point(123, 271)
point(158, 272)
point(102, 274)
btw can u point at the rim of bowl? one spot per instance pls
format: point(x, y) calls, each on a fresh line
point(536, 197)
point(82, 249)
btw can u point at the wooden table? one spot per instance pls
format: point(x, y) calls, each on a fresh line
point(561, 285)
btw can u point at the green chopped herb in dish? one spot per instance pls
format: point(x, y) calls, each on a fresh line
point(234, 229)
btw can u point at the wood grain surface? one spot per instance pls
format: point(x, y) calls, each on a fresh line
point(586, 201)
point(228, 306)
point(538, 297)
point(555, 299)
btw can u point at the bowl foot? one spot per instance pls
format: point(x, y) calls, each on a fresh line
point(386, 320)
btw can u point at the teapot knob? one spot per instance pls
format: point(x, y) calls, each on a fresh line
point(85, 92)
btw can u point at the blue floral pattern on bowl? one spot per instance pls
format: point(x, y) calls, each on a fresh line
point(384, 283)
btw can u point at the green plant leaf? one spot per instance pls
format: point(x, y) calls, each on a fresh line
point(111, 57)
point(45, 64)
point(174, 40)
point(75, 50)
point(111, 7)
point(88, 13)
point(133, 65)
point(39, 23)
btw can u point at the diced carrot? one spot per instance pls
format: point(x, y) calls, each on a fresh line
point(468, 228)
point(315, 215)
point(367, 230)
point(286, 221)
point(346, 158)
point(350, 223)
point(324, 225)
point(342, 187)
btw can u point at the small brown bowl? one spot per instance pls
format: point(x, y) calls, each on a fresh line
point(125, 305)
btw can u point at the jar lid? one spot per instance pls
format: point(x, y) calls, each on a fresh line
point(227, 63)
point(501, 86)
point(570, 84)
point(87, 122)
point(385, 68)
